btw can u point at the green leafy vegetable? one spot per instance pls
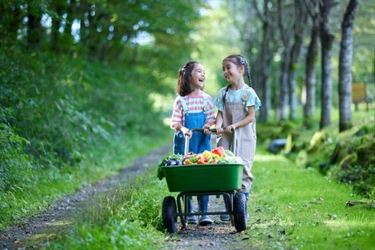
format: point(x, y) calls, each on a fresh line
point(160, 173)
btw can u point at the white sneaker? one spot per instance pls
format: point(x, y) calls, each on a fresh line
point(192, 219)
point(205, 220)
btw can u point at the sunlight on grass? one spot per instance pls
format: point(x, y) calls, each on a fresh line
point(297, 208)
point(43, 236)
point(348, 225)
point(59, 223)
point(266, 158)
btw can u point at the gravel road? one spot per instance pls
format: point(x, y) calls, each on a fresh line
point(220, 235)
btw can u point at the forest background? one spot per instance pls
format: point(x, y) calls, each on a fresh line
point(79, 76)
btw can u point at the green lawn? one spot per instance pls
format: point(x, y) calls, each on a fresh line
point(298, 208)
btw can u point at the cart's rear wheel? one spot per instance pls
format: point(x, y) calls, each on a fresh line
point(169, 214)
point(239, 212)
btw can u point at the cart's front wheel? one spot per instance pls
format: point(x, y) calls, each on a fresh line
point(239, 212)
point(169, 214)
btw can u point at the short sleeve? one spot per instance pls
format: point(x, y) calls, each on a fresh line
point(219, 100)
point(210, 113)
point(253, 99)
point(177, 116)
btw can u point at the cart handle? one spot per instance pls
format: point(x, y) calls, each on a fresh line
point(187, 138)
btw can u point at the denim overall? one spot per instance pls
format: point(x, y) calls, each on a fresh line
point(197, 143)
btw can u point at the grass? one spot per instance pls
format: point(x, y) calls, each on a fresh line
point(296, 208)
point(100, 163)
point(291, 208)
point(127, 217)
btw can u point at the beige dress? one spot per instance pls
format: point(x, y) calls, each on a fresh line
point(245, 140)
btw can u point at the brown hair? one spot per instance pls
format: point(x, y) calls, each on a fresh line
point(183, 84)
point(240, 60)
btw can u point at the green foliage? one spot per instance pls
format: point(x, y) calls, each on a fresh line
point(65, 95)
point(127, 217)
point(53, 112)
point(46, 185)
point(295, 208)
point(346, 157)
point(13, 160)
point(290, 207)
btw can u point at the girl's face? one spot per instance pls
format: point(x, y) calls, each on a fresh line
point(231, 71)
point(198, 76)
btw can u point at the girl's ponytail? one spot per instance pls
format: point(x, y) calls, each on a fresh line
point(247, 68)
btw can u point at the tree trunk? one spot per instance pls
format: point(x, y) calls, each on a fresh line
point(264, 93)
point(326, 39)
point(310, 79)
point(283, 88)
point(34, 29)
point(345, 63)
point(282, 98)
point(299, 27)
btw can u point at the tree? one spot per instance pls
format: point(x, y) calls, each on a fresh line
point(326, 39)
point(299, 33)
point(345, 63)
point(308, 93)
point(283, 84)
point(264, 58)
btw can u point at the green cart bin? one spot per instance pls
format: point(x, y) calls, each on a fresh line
point(204, 177)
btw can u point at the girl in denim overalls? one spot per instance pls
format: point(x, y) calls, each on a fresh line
point(236, 105)
point(193, 109)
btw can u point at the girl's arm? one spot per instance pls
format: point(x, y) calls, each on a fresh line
point(184, 130)
point(248, 119)
point(219, 122)
point(177, 119)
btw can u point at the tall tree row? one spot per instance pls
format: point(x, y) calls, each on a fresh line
point(303, 26)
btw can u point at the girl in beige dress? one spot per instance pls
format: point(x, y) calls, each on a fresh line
point(236, 105)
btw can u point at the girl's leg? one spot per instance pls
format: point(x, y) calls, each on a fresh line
point(203, 204)
point(226, 217)
point(192, 219)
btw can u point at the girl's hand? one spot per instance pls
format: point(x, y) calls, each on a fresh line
point(189, 133)
point(207, 131)
point(230, 129)
point(186, 132)
point(219, 130)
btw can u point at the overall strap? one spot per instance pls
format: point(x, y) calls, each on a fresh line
point(205, 103)
point(225, 93)
point(184, 105)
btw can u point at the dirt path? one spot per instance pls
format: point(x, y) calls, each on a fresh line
point(42, 228)
point(59, 216)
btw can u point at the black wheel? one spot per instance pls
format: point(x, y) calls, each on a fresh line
point(239, 212)
point(169, 214)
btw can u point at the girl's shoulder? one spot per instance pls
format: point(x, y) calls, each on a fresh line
point(206, 96)
point(201, 94)
point(223, 90)
point(181, 100)
point(249, 90)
